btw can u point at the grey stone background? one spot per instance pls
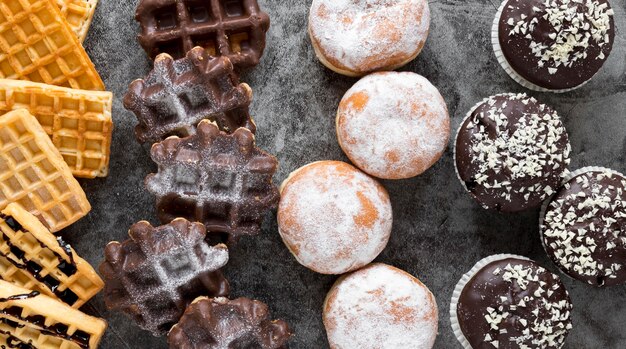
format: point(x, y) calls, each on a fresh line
point(439, 232)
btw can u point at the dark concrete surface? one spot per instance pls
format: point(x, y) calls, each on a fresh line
point(439, 232)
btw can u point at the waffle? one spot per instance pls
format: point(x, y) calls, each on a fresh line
point(221, 180)
point(232, 28)
point(37, 44)
point(31, 257)
point(78, 14)
point(44, 322)
point(155, 274)
point(78, 121)
point(34, 175)
point(178, 94)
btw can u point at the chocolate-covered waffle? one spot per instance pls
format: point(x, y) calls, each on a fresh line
point(232, 28)
point(177, 94)
point(221, 180)
point(222, 323)
point(159, 271)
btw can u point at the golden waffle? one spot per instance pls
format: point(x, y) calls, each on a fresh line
point(37, 44)
point(78, 14)
point(33, 173)
point(29, 317)
point(33, 258)
point(78, 121)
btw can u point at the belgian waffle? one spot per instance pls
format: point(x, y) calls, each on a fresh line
point(78, 14)
point(232, 28)
point(37, 44)
point(34, 175)
point(33, 258)
point(35, 320)
point(78, 121)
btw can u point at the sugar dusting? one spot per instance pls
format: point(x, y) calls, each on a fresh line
point(401, 129)
point(334, 218)
point(365, 35)
point(380, 307)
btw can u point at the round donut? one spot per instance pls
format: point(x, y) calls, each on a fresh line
point(356, 37)
point(379, 307)
point(393, 125)
point(333, 217)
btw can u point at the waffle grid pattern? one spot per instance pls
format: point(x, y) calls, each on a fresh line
point(78, 14)
point(37, 44)
point(78, 121)
point(34, 175)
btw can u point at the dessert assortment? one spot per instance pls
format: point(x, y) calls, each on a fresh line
point(214, 186)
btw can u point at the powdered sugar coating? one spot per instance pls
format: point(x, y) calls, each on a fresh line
point(334, 218)
point(380, 307)
point(354, 37)
point(393, 125)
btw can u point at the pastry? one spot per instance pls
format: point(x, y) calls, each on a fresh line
point(32, 320)
point(511, 152)
point(31, 257)
point(583, 227)
point(34, 175)
point(393, 125)
point(178, 94)
point(379, 307)
point(221, 180)
point(216, 323)
point(553, 45)
point(509, 301)
point(333, 218)
point(158, 272)
point(235, 29)
point(78, 14)
point(37, 44)
point(78, 121)
point(356, 37)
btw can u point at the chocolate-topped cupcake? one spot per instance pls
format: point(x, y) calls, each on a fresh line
point(553, 45)
point(511, 152)
point(508, 301)
point(583, 227)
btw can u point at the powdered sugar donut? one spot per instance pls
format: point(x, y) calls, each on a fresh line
point(333, 217)
point(380, 307)
point(355, 37)
point(393, 125)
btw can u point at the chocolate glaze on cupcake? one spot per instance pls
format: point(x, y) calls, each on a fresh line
point(512, 303)
point(584, 227)
point(512, 152)
point(556, 44)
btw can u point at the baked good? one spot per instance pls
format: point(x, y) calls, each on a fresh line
point(34, 175)
point(216, 323)
point(177, 94)
point(78, 14)
point(356, 37)
point(32, 258)
point(222, 180)
point(508, 301)
point(29, 320)
point(235, 29)
point(78, 121)
point(333, 218)
point(553, 45)
point(380, 307)
point(511, 152)
point(393, 125)
point(583, 227)
point(50, 52)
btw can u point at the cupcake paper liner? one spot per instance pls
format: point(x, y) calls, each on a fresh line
point(454, 320)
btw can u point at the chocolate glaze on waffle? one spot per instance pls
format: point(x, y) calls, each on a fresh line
point(177, 94)
point(232, 28)
point(221, 180)
point(158, 272)
point(222, 323)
